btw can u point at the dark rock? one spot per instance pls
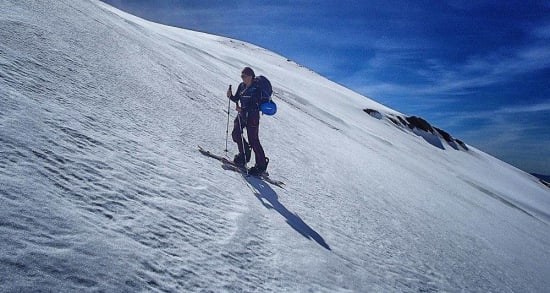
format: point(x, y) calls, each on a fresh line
point(395, 121)
point(417, 122)
point(444, 134)
point(403, 121)
point(461, 143)
point(373, 113)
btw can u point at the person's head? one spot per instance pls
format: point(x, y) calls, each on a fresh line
point(247, 75)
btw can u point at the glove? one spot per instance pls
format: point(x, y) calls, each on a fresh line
point(229, 92)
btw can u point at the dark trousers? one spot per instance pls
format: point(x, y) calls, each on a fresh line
point(252, 125)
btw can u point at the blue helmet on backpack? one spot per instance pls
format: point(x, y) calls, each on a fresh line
point(268, 108)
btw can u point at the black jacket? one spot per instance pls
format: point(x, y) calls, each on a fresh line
point(249, 97)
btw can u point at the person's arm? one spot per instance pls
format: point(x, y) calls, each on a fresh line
point(235, 98)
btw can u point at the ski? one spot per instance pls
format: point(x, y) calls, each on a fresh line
point(265, 176)
point(219, 158)
point(230, 165)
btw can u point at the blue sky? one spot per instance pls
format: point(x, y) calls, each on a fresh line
point(478, 69)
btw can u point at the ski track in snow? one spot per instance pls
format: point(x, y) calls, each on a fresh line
point(102, 188)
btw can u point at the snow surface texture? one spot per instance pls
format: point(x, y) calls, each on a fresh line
point(102, 186)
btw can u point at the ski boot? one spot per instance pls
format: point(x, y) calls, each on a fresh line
point(258, 170)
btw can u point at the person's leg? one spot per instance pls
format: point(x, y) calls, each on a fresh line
point(253, 128)
point(237, 136)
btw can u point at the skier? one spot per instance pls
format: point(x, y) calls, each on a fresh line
point(248, 93)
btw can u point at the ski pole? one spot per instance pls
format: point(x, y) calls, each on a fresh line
point(227, 127)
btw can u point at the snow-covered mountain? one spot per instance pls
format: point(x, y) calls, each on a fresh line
point(102, 187)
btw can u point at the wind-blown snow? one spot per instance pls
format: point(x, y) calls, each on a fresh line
point(102, 186)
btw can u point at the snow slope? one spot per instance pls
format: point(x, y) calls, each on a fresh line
point(102, 187)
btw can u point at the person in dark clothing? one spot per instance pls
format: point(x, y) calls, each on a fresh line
point(248, 93)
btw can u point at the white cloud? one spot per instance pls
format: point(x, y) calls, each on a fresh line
point(540, 107)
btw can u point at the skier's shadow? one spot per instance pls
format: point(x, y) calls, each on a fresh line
point(269, 198)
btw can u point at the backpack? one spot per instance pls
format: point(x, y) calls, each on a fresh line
point(267, 106)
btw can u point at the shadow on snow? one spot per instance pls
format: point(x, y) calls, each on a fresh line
point(269, 198)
